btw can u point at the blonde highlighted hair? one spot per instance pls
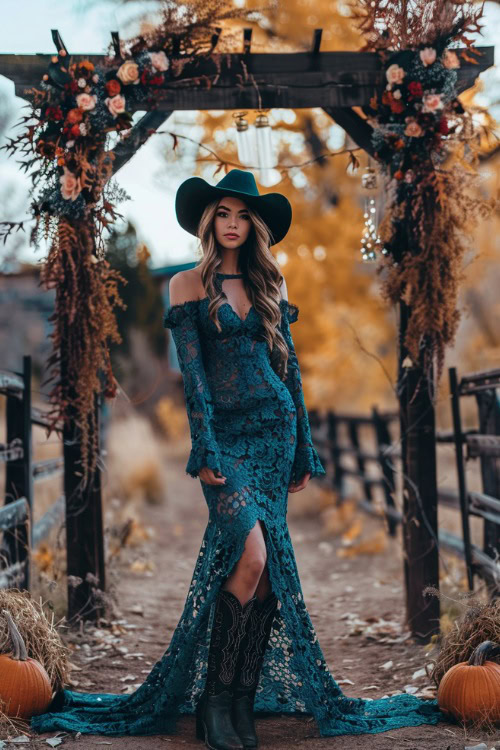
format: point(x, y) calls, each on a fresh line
point(261, 278)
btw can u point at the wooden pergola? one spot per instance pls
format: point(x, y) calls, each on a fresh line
point(341, 83)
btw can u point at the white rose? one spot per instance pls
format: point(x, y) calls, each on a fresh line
point(82, 83)
point(159, 61)
point(86, 101)
point(395, 74)
point(115, 104)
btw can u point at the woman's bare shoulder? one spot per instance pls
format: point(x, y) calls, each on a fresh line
point(185, 286)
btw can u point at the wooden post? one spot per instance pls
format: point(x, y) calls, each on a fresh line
point(420, 528)
point(489, 424)
point(84, 532)
point(19, 476)
point(360, 461)
point(383, 436)
point(333, 439)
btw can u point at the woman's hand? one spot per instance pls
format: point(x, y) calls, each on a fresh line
point(297, 486)
point(207, 475)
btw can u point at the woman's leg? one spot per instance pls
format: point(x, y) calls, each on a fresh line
point(246, 575)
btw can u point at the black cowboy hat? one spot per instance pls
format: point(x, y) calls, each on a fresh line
point(195, 194)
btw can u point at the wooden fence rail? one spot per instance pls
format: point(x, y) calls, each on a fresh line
point(482, 442)
point(22, 475)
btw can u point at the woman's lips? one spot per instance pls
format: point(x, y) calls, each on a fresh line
point(232, 236)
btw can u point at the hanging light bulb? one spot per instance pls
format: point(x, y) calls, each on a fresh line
point(266, 152)
point(244, 140)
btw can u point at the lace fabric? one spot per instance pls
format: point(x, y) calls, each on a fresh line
point(253, 427)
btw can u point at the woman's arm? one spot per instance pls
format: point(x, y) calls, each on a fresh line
point(182, 319)
point(306, 458)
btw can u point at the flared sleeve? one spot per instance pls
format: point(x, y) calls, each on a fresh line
point(306, 457)
point(182, 320)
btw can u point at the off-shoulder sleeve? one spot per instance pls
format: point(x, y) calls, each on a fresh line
point(182, 320)
point(306, 457)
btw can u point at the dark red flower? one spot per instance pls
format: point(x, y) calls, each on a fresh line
point(53, 113)
point(72, 86)
point(75, 131)
point(113, 87)
point(415, 89)
point(151, 79)
point(397, 106)
point(443, 126)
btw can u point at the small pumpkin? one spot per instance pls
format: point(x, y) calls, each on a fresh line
point(25, 688)
point(470, 690)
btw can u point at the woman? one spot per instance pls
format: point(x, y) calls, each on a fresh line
point(244, 641)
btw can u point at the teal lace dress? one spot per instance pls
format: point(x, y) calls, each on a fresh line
point(253, 427)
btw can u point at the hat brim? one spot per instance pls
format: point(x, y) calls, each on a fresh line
point(195, 194)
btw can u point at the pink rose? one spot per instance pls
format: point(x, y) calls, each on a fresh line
point(86, 101)
point(450, 59)
point(431, 102)
point(428, 55)
point(409, 175)
point(115, 104)
point(397, 94)
point(128, 72)
point(70, 185)
point(395, 74)
point(159, 61)
point(413, 129)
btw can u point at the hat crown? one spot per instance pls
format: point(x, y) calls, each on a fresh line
point(237, 179)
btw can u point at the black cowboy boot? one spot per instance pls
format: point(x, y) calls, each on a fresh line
point(213, 712)
point(248, 668)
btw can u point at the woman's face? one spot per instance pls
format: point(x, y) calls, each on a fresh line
point(232, 222)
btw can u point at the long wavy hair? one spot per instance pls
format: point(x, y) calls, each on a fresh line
point(261, 278)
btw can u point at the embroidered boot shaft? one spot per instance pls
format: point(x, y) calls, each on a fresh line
point(213, 712)
point(248, 668)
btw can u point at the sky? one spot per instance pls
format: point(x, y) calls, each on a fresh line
point(148, 179)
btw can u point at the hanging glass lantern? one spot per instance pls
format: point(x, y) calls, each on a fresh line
point(266, 152)
point(244, 140)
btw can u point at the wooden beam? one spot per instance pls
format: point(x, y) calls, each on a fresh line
point(247, 41)
point(58, 42)
point(292, 80)
point(354, 125)
point(115, 38)
point(316, 44)
point(139, 134)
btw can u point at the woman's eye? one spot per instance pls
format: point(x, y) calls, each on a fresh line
point(222, 214)
point(246, 217)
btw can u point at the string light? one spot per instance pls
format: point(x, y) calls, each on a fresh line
point(371, 243)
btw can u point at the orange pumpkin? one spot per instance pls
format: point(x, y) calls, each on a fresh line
point(25, 688)
point(470, 690)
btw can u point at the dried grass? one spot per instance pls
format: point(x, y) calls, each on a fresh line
point(480, 622)
point(42, 641)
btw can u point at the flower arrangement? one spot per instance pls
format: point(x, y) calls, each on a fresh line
point(415, 111)
point(426, 144)
point(81, 104)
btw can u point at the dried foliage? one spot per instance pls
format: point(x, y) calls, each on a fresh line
point(428, 146)
point(480, 622)
point(444, 209)
point(410, 24)
point(40, 635)
point(84, 322)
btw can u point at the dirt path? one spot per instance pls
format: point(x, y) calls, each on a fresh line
point(336, 591)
